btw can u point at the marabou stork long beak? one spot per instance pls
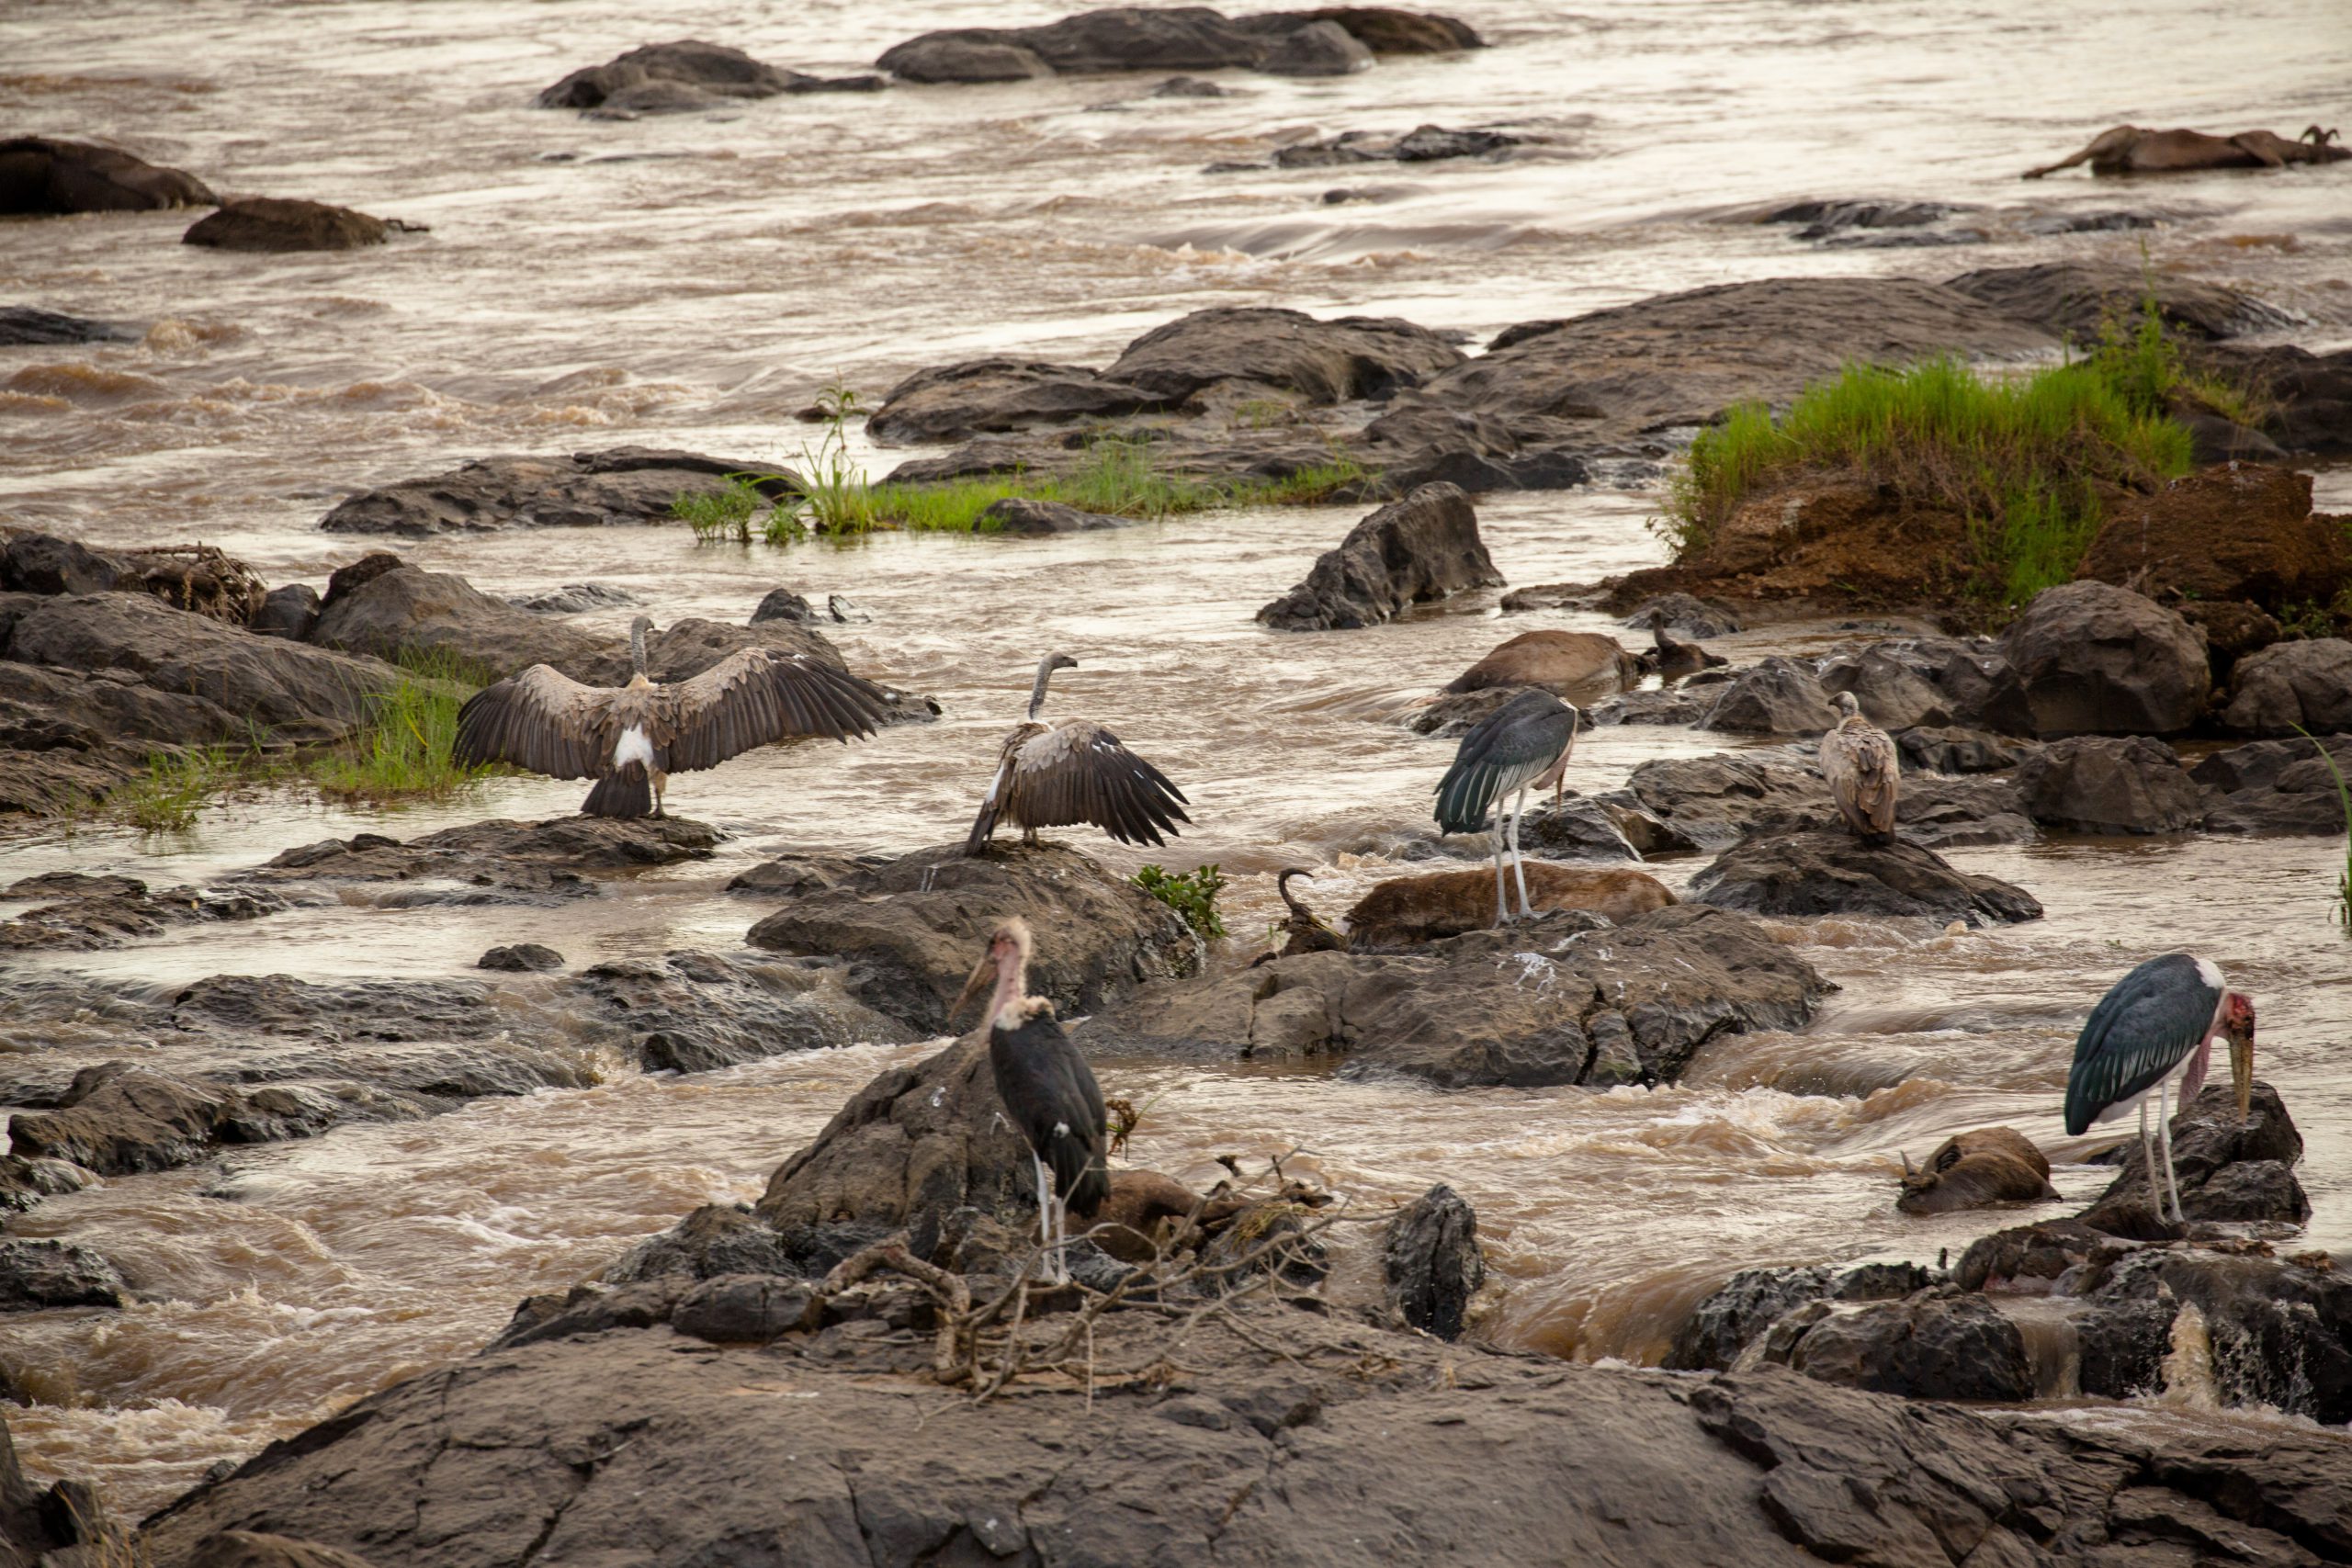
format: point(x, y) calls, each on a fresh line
point(983, 973)
point(2242, 1069)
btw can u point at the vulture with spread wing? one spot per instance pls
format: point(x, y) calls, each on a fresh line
point(1053, 774)
point(631, 739)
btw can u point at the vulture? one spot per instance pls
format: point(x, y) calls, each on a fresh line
point(1858, 759)
point(631, 739)
point(1051, 774)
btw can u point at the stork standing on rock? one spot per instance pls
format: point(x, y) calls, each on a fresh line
point(1525, 743)
point(1051, 773)
point(2159, 1019)
point(631, 739)
point(1859, 760)
point(1047, 1090)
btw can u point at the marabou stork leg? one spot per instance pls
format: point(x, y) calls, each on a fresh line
point(1045, 1213)
point(1518, 860)
point(1502, 904)
point(2148, 1147)
point(2163, 1136)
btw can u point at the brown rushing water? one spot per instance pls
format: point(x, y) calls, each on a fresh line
point(691, 281)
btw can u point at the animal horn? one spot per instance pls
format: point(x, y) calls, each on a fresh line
point(1909, 1171)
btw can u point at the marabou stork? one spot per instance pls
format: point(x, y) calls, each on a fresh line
point(1523, 743)
point(631, 739)
point(1050, 774)
point(1857, 758)
point(1047, 1090)
point(2159, 1018)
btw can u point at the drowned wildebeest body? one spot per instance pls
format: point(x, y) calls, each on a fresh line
point(2129, 149)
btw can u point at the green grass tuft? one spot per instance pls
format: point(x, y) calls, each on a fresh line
point(401, 750)
point(175, 788)
point(1191, 893)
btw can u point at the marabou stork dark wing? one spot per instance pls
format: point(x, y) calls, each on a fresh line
point(1517, 742)
point(541, 720)
point(1051, 1095)
point(755, 696)
point(2141, 1030)
point(1080, 771)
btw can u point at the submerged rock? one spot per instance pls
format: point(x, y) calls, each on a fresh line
point(690, 1012)
point(275, 223)
point(22, 325)
point(622, 485)
point(1422, 145)
point(91, 913)
point(522, 958)
point(1520, 1005)
point(1020, 515)
point(1831, 873)
point(907, 932)
point(1412, 551)
point(681, 76)
point(41, 174)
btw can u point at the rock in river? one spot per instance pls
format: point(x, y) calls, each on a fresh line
point(2236, 531)
point(685, 75)
point(43, 175)
point(1326, 41)
point(1779, 697)
point(37, 1274)
point(910, 931)
point(2291, 684)
point(274, 223)
point(1834, 873)
point(2097, 660)
point(625, 484)
point(1423, 547)
point(2101, 784)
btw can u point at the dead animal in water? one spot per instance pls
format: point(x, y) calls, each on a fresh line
point(1133, 1220)
point(1973, 1169)
point(1671, 660)
point(1304, 929)
point(1582, 667)
point(1407, 910)
point(2127, 150)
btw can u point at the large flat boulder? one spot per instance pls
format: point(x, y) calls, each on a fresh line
point(1334, 361)
point(1836, 874)
point(2098, 660)
point(623, 485)
point(1560, 999)
point(1414, 551)
point(909, 930)
point(1328, 40)
point(683, 75)
point(979, 396)
point(42, 174)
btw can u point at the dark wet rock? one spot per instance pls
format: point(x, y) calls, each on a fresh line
point(2266, 764)
point(1739, 1312)
point(1778, 696)
point(1430, 1259)
point(1676, 360)
point(2290, 684)
point(2236, 531)
point(343, 1011)
point(1517, 1006)
point(2099, 784)
point(495, 861)
point(782, 604)
point(102, 912)
point(1680, 611)
point(2305, 800)
point(133, 1119)
point(576, 599)
point(685, 75)
point(257, 1548)
point(623, 485)
point(1322, 361)
point(1189, 87)
point(44, 563)
point(1823, 220)
point(1648, 708)
point(1424, 143)
point(977, 397)
point(1902, 682)
point(1577, 828)
point(1942, 1343)
point(2276, 1334)
point(2054, 1256)
point(2221, 1166)
point(1836, 874)
point(276, 223)
point(2098, 660)
point(1715, 801)
point(25, 325)
point(1327, 42)
point(40, 1274)
point(715, 1240)
point(2307, 396)
point(42, 174)
point(290, 612)
point(690, 1012)
point(1020, 515)
point(1412, 551)
point(25, 1182)
point(2075, 299)
point(1451, 714)
point(1946, 749)
point(1974, 1171)
point(522, 958)
point(1893, 691)
point(299, 692)
point(909, 930)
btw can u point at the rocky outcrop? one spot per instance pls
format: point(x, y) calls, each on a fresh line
point(1736, 1313)
point(2278, 786)
point(1329, 41)
point(909, 930)
point(276, 223)
point(40, 174)
point(2238, 531)
point(83, 914)
point(1942, 1343)
point(980, 397)
point(493, 862)
point(2097, 660)
point(1778, 696)
point(623, 485)
point(1431, 1260)
point(2073, 299)
point(2293, 685)
point(1836, 874)
point(1406, 911)
point(1974, 1170)
point(2097, 784)
point(1714, 802)
point(1558, 1000)
point(120, 1120)
point(689, 1013)
point(2226, 1170)
point(25, 325)
point(1412, 551)
point(38, 1274)
point(684, 76)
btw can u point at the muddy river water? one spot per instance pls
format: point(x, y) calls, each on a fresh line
point(690, 281)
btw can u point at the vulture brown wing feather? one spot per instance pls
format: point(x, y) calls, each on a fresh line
point(754, 696)
point(540, 719)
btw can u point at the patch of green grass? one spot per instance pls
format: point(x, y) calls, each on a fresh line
point(1191, 893)
point(2022, 460)
point(401, 750)
point(175, 788)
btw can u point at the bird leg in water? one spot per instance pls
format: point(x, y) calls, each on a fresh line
point(1519, 860)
